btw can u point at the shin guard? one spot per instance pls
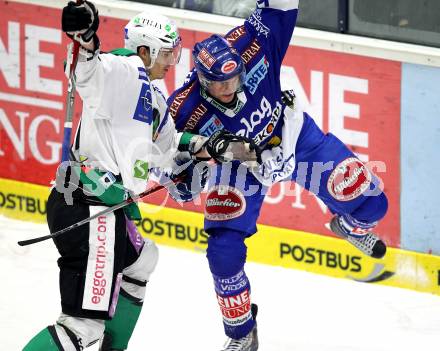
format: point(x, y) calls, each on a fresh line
point(44, 341)
point(54, 338)
point(120, 328)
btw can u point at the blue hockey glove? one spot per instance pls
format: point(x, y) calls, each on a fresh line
point(191, 177)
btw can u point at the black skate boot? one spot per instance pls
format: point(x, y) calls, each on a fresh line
point(367, 242)
point(249, 342)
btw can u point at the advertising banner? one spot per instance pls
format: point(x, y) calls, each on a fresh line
point(273, 246)
point(354, 97)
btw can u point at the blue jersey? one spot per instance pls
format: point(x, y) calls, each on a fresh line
point(262, 42)
point(318, 162)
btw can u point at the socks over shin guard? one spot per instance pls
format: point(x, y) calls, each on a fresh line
point(44, 341)
point(121, 327)
point(54, 338)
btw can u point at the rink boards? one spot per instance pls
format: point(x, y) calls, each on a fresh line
point(273, 246)
point(377, 96)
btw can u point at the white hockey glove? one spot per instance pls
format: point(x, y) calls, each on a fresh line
point(80, 22)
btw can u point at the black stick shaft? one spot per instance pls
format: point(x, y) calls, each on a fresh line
point(88, 219)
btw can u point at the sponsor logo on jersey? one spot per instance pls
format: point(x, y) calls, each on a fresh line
point(144, 111)
point(205, 58)
point(256, 21)
point(228, 67)
point(349, 180)
point(265, 116)
point(223, 203)
point(178, 100)
point(140, 169)
point(230, 285)
point(251, 51)
point(214, 124)
point(256, 75)
point(236, 309)
point(195, 117)
point(236, 34)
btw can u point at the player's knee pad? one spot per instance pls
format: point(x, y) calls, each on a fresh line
point(136, 276)
point(372, 209)
point(86, 330)
point(69, 334)
point(226, 251)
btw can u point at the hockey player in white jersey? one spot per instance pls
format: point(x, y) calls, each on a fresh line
point(124, 132)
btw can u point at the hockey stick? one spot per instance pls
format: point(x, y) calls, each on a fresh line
point(236, 152)
point(72, 59)
point(102, 213)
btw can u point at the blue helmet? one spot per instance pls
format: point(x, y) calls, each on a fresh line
point(216, 60)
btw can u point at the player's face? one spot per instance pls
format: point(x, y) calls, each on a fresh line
point(165, 59)
point(224, 91)
point(170, 56)
point(159, 70)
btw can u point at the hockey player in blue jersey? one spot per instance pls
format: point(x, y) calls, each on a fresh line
point(236, 85)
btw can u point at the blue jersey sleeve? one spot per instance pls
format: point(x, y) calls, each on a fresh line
point(272, 23)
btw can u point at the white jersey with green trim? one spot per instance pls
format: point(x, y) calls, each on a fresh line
point(124, 128)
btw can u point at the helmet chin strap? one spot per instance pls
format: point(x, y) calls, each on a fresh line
point(150, 66)
point(152, 61)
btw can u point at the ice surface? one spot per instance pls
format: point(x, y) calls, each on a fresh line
point(298, 311)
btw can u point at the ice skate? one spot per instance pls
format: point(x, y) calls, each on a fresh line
point(366, 241)
point(247, 343)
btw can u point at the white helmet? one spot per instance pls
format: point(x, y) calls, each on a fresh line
point(158, 33)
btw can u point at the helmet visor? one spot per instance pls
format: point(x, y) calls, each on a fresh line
point(230, 85)
point(168, 56)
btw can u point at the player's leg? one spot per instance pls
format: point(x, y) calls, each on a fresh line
point(326, 167)
point(231, 212)
point(89, 265)
point(141, 260)
point(68, 334)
